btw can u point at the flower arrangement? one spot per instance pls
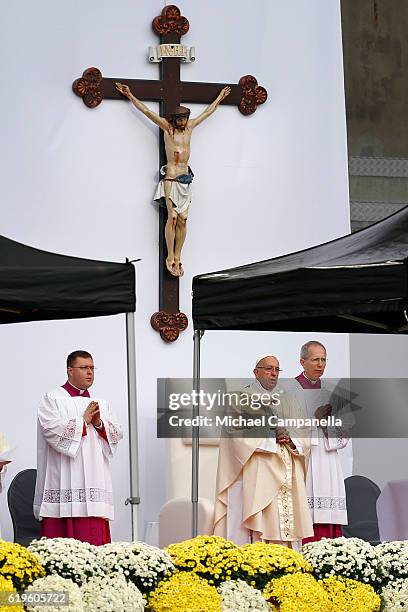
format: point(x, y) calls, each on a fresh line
point(395, 596)
point(238, 596)
point(208, 574)
point(210, 557)
point(297, 593)
point(140, 563)
point(348, 557)
point(56, 584)
point(6, 586)
point(350, 596)
point(67, 558)
point(262, 562)
point(184, 592)
point(19, 564)
point(394, 559)
point(111, 594)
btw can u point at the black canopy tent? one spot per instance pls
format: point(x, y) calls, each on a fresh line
point(358, 283)
point(37, 285)
point(355, 284)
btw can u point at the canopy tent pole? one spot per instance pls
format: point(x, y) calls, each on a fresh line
point(134, 499)
point(195, 433)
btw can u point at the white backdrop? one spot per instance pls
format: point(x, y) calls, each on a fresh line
point(80, 182)
point(379, 356)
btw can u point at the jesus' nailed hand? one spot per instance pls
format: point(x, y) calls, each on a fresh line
point(175, 187)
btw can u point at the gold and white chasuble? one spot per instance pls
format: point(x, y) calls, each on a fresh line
point(260, 491)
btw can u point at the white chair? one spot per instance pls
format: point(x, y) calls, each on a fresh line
point(175, 518)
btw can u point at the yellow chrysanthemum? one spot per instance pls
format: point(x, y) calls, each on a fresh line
point(349, 595)
point(297, 593)
point(184, 592)
point(19, 564)
point(210, 557)
point(6, 587)
point(262, 562)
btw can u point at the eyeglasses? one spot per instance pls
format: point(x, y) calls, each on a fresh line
point(269, 368)
point(83, 368)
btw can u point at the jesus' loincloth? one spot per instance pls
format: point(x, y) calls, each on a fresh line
point(180, 192)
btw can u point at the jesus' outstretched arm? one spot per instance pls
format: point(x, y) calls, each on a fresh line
point(225, 91)
point(160, 121)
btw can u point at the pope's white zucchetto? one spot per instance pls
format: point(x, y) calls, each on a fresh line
point(261, 358)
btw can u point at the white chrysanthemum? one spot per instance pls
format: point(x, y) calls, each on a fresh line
point(395, 596)
point(111, 594)
point(238, 596)
point(68, 558)
point(142, 564)
point(56, 584)
point(349, 557)
point(394, 559)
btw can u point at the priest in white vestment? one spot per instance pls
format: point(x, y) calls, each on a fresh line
point(76, 440)
point(260, 491)
point(325, 479)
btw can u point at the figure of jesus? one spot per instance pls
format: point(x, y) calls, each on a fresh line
point(175, 186)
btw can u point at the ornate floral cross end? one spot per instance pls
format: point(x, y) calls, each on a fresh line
point(170, 22)
point(168, 324)
point(88, 87)
point(252, 95)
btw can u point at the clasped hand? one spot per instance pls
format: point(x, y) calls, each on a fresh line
point(92, 414)
point(282, 436)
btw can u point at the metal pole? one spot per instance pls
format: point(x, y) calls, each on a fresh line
point(134, 499)
point(195, 433)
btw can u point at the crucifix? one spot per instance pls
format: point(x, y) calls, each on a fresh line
point(170, 91)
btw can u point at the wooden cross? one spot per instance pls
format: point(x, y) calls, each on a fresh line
point(170, 92)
